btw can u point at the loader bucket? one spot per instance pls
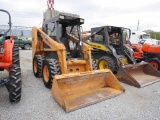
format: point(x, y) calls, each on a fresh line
point(138, 75)
point(76, 90)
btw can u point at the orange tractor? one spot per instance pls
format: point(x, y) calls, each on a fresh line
point(9, 60)
point(147, 52)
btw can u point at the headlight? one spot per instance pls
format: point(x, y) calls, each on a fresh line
point(82, 20)
point(61, 17)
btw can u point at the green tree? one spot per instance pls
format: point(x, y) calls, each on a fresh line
point(154, 35)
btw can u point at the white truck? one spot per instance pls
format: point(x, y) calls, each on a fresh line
point(137, 36)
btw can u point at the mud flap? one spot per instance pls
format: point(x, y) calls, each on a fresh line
point(138, 75)
point(76, 90)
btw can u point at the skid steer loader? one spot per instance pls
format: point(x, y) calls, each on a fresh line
point(65, 64)
point(110, 51)
point(9, 60)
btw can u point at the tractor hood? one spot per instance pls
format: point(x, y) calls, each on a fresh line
point(151, 48)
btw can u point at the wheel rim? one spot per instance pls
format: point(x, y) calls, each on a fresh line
point(35, 66)
point(27, 47)
point(103, 64)
point(46, 73)
point(154, 64)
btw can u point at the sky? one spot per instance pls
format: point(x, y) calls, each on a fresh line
point(122, 13)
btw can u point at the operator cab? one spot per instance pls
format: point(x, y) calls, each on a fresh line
point(114, 40)
point(111, 36)
point(63, 29)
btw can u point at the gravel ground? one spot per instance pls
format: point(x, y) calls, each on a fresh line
point(37, 101)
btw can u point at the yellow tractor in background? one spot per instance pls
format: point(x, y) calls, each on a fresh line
point(66, 66)
point(112, 51)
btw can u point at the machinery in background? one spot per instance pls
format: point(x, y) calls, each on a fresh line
point(137, 36)
point(147, 52)
point(110, 51)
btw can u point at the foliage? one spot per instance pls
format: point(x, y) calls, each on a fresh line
point(154, 35)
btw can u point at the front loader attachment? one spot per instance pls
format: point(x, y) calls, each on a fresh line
point(76, 90)
point(138, 75)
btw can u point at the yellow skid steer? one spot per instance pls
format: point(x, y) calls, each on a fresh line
point(66, 66)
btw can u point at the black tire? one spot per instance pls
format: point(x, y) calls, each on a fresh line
point(15, 84)
point(27, 46)
point(94, 65)
point(110, 63)
point(51, 67)
point(37, 65)
point(156, 61)
point(22, 48)
point(15, 55)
